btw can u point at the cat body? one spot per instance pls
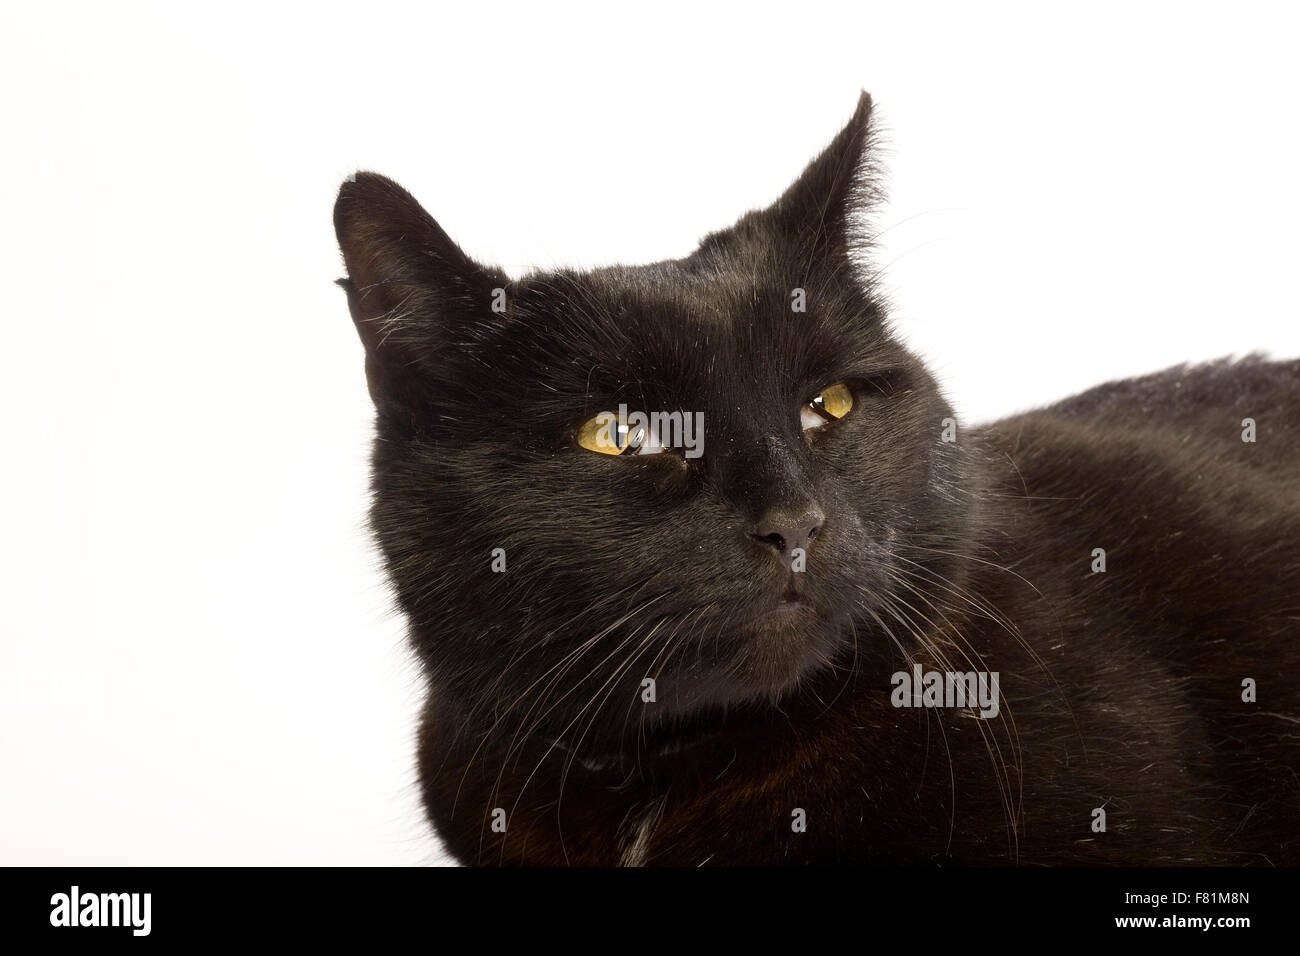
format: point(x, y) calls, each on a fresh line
point(647, 658)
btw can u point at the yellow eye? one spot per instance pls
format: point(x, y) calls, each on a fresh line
point(607, 434)
point(828, 405)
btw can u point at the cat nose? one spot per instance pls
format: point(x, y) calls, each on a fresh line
point(788, 528)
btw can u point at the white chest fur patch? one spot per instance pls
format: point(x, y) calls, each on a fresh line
point(640, 827)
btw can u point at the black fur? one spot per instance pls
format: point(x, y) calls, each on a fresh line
point(1121, 690)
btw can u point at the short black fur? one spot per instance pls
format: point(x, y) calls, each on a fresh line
point(1121, 690)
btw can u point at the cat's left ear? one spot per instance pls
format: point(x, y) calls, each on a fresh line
point(418, 301)
point(815, 216)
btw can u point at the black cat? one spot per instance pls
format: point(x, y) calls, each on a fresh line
point(838, 627)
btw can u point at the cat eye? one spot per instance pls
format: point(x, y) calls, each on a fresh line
point(828, 405)
point(607, 434)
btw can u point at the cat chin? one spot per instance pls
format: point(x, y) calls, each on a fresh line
point(771, 653)
point(785, 646)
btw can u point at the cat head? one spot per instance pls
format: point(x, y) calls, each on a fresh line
point(553, 551)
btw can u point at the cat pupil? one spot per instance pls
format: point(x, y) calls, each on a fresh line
point(629, 440)
point(818, 405)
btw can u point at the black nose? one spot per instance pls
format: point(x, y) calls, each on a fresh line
point(788, 528)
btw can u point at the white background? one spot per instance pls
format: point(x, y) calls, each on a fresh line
point(198, 663)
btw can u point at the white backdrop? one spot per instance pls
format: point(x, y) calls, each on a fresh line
point(197, 659)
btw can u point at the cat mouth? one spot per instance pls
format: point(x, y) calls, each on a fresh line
point(767, 650)
point(783, 644)
point(788, 611)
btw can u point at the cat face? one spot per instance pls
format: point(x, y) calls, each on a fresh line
point(549, 574)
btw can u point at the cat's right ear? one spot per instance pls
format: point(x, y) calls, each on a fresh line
point(413, 293)
point(816, 213)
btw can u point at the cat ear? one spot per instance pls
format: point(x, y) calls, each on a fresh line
point(814, 217)
point(415, 297)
